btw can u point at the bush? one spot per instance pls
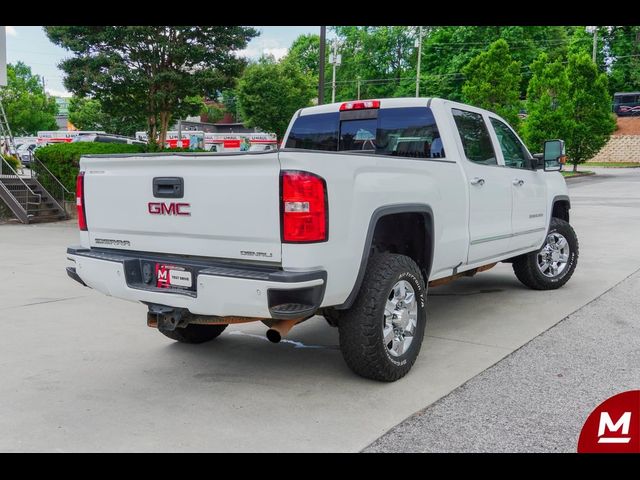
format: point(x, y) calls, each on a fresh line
point(13, 160)
point(63, 159)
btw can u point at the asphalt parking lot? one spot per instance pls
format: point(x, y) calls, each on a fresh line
point(83, 372)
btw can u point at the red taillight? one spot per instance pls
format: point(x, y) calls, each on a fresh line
point(82, 218)
point(360, 105)
point(304, 210)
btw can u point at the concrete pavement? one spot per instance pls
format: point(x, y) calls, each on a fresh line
point(82, 372)
point(538, 398)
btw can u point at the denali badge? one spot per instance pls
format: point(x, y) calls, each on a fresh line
point(161, 208)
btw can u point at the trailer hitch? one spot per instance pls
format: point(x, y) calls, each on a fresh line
point(166, 318)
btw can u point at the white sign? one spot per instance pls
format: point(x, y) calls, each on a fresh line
point(3, 56)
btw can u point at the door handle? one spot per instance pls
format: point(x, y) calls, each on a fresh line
point(518, 182)
point(477, 181)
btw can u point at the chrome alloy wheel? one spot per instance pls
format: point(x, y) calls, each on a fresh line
point(400, 318)
point(554, 256)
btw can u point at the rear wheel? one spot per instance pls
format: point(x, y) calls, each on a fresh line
point(381, 334)
point(194, 333)
point(553, 265)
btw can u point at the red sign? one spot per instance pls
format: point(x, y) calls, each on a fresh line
point(614, 426)
point(162, 274)
point(232, 144)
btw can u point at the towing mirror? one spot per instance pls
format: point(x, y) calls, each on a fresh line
point(554, 156)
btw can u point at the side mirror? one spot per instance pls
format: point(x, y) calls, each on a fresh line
point(554, 156)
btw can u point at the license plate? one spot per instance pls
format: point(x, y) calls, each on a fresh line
point(172, 276)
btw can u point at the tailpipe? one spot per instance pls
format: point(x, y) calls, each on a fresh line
point(280, 328)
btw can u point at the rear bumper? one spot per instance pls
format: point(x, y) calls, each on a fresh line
point(221, 288)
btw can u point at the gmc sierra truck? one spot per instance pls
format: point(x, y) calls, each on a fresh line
point(366, 204)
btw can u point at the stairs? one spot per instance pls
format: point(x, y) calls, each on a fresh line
point(29, 201)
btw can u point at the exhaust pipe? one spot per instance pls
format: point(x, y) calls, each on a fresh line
point(280, 328)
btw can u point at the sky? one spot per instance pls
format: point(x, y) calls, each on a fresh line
point(30, 45)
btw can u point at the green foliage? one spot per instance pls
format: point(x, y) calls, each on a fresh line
point(447, 50)
point(87, 114)
point(593, 122)
point(214, 113)
point(12, 160)
point(269, 93)
point(493, 82)
point(570, 102)
point(548, 105)
point(159, 72)
point(27, 107)
point(624, 47)
point(381, 56)
point(63, 159)
point(305, 53)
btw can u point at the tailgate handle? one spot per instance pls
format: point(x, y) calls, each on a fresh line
point(168, 187)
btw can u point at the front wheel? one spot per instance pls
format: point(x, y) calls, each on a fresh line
point(381, 334)
point(551, 266)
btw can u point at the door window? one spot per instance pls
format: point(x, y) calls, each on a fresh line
point(475, 137)
point(513, 151)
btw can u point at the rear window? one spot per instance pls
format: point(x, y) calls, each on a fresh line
point(315, 132)
point(405, 132)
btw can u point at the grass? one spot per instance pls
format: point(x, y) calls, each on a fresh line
point(579, 173)
point(614, 164)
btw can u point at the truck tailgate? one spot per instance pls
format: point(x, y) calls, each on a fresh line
point(229, 208)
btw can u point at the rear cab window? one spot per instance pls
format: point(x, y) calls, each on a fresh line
point(404, 132)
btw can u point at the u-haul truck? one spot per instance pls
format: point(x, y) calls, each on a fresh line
point(62, 136)
point(218, 142)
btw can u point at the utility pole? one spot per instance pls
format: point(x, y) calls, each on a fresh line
point(419, 45)
point(358, 87)
point(335, 60)
point(323, 38)
point(594, 30)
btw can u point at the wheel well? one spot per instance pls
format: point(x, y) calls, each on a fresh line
point(406, 233)
point(561, 210)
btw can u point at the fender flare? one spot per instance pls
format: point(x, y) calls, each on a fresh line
point(373, 222)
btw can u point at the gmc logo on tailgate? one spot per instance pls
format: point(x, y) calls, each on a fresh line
point(161, 208)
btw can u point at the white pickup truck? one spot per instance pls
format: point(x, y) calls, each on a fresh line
point(365, 205)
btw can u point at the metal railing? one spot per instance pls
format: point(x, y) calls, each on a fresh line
point(21, 199)
point(50, 182)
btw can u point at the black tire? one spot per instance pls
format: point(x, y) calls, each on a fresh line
point(526, 266)
point(361, 327)
point(194, 333)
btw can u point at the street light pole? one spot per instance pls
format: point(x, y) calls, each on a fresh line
point(419, 58)
point(323, 38)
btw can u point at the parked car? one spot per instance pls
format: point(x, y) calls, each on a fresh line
point(367, 204)
point(107, 138)
point(25, 152)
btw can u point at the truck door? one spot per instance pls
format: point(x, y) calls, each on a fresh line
point(529, 216)
point(489, 187)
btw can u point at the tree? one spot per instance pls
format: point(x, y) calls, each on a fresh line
point(624, 49)
point(547, 103)
point(493, 82)
point(569, 102)
point(160, 71)
point(27, 106)
point(269, 93)
point(593, 123)
point(305, 52)
point(87, 114)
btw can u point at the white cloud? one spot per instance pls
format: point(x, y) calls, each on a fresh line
point(11, 31)
point(58, 93)
point(263, 46)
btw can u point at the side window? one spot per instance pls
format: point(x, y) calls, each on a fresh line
point(408, 132)
point(515, 155)
point(315, 132)
point(475, 137)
